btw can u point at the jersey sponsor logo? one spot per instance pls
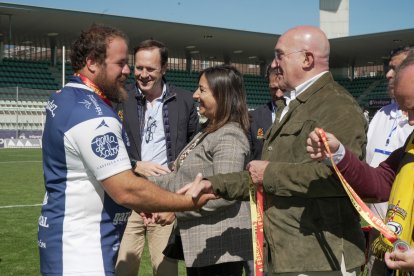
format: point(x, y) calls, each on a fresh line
point(86, 104)
point(121, 218)
point(96, 105)
point(102, 124)
point(395, 227)
point(396, 210)
point(105, 146)
point(51, 106)
point(43, 221)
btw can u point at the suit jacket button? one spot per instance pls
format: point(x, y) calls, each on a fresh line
point(269, 148)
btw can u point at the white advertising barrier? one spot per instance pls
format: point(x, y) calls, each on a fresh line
point(22, 143)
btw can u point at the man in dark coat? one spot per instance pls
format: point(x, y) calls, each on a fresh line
point(159, 119)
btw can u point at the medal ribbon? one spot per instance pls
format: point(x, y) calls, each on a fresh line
point(256, 211)
point(94, 87)
point(356, 201)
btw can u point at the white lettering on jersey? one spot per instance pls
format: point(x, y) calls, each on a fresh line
point(121, 218)
point(95, 103)
point(43, 222)
point(86, 104)
point(41, 244)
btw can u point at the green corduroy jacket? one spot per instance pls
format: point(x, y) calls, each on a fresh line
point(309, 221)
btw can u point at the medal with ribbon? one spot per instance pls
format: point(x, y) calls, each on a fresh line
point(94, 87)
point(361, 207)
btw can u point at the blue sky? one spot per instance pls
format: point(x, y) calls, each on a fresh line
point(265, 16)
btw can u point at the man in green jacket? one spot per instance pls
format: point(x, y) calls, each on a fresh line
point(310, 225)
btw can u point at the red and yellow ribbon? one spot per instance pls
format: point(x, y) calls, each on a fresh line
point(94, 87)
point(256, 211)
point(357, 202)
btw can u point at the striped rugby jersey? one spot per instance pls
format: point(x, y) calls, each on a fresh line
point(80, 226)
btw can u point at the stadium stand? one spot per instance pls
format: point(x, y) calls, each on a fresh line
point(36, 77)
point(30, 68)
point(26, 73)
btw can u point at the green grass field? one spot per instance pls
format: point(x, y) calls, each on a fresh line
point(21, 193)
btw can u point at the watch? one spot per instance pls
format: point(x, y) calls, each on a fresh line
point(133, 164)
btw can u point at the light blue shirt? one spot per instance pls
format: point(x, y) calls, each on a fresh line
point(153, 144)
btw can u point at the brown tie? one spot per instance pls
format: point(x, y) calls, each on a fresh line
point(280, 105)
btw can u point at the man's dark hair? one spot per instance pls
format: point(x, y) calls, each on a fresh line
point(403, 49)
point(408, 61)
point(270, 71)
point(150, 44)
point(93, 43)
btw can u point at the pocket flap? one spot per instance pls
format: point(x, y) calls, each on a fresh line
point(292, 128)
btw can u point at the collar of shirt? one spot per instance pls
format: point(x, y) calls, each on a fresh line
point(293, 94)
point(164, 91)
point(397, 114)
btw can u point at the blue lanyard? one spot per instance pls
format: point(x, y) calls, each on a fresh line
point(393, 129)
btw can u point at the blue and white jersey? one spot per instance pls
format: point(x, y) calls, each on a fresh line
point(80, 226)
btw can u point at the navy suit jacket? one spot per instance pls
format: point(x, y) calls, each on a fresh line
point(261, 120)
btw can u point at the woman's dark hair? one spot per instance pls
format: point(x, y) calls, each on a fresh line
point(93, 43)
point(227, 86)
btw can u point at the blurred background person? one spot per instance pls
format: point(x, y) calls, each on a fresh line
point(263, 116)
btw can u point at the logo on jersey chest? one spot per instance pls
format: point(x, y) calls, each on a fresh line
point(105, 146)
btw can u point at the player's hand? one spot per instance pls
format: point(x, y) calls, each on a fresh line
point(198, 187)
point(148, 168)
point(316, 148)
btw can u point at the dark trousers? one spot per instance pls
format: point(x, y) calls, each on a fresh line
point(224, 269)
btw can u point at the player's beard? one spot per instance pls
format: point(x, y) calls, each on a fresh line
point(114, 90)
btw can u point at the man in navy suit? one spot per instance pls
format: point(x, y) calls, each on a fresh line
point(263, 116)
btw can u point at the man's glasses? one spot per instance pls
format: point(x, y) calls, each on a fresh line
point(149, 131)
point(279, 54)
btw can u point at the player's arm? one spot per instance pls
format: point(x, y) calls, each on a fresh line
point(140, 194)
